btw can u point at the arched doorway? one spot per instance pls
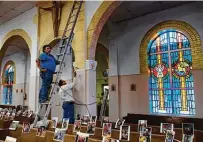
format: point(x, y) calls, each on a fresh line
point(102, 58)
point(15, 71)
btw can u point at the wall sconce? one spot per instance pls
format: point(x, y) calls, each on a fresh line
point(25, 96)
point(133, 87)
point(113, 87)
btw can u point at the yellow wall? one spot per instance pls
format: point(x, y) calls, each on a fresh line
point(102, 58)
point(47, 35)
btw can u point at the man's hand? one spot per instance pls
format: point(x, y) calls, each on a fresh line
point(74, 73)
point(58, 62)
point(43, 70)
point(38, 63)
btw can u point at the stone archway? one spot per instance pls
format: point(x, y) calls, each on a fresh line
point(16, 46)
point(99, 19)
point(12, 35)
point(18, 32)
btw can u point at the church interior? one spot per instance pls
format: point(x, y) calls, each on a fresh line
point(138, 70)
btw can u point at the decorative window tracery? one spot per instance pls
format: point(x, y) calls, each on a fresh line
point(171, 87)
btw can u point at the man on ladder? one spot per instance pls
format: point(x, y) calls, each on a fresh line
point(47, 65)
point(64, 50)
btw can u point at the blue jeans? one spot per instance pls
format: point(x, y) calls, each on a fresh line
point(68, 112)
point(47, 78)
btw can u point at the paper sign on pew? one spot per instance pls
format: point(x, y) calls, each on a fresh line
point(124, 133)
point(59, 134)
point(10, 139)
point(91, 128)
point(145, 135)
point(81, 137)
point(14, 125)
point(119, 123)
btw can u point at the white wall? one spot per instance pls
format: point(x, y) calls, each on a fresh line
point(131, 33)
point(19, 60)
point(25, 22)
point(104, 36)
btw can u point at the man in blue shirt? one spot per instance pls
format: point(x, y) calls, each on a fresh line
point(47, 65)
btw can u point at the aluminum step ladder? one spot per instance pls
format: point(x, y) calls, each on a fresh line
point(64, 50)
point(104, 104)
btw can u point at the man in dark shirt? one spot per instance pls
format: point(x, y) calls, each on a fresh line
point(47, 65)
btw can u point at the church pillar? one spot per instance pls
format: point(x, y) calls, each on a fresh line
point(34, 79)
point(91, 86)
point(114, 95)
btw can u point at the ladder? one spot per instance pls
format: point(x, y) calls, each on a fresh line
point(64, 50)
point(104, 103)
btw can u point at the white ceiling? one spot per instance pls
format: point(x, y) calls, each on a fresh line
point(133, 9)
point(11, 9)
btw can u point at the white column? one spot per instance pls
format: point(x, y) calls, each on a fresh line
point(114, 103)
point(34, 73)
point(91, 86)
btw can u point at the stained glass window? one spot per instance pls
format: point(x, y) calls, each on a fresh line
point(171, 87)
point(8, 84)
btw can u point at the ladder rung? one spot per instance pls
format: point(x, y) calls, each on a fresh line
point(62, 46)
point(65, 38)
point(61, 62)
point(54, 83)
point(57, 72)
point(73, 15)
point(76, 7)
point(68, 30)
point(60, 54)
point(40, 115)
point(45, 103)
point(71, 22)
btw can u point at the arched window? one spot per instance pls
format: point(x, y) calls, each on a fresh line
point(8, 81)
point(171, 87)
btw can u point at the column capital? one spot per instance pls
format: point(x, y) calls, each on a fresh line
point(91, 65)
